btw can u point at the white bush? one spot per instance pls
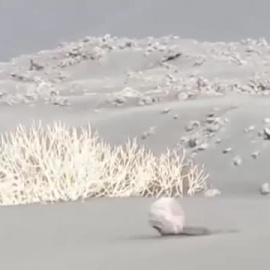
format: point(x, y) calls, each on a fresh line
point(58, 163)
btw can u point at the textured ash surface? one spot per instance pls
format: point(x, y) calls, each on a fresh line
point(114, 234)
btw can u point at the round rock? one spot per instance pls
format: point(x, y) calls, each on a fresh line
point(167, 216)
point(265, 189)
point(212, 192)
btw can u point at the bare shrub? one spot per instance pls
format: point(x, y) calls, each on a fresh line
point(59, 163)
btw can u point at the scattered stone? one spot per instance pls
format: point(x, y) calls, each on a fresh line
point(141, 103)
point(182, 96)
point(144, 135)
point(35, 66)
point(266, 133)
point(255, 154)
point(19, 77)
point(9, 102)
point(129, 92)
point(199, 62)
point(237, 161)
point(261, 133)
point(193, 154)
point(152, 130)
point(266, 120)
point(61, 102)
point(251, 49)
point(175, 116)
point(165, 111)
point(218, 140)
point(147, 100)
point(195, 140)
point(265, 189)
point(171, 78)
point(192, 125)
point(213, 113)
point(120, 100)
point(248, 129)
point(181, 86)
point(246, 89)
point(216, 120)
point(212, 192)
point(262, 42)
point(227, 150)
point(213, 127)
point(211, 119)
point(54, 92)
point(203, 147)
point(263, 85)
point(2, 94)
point(162, 48)
point(202, 83)
point(172, 57)
point(149, 132)
point(184, 139)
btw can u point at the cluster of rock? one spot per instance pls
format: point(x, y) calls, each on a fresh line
point(171, 68)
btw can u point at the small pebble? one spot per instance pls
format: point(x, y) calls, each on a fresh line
point(144, 135)
point(192, 125)
point(195, 140)
point(141, 103)
point(175, 116)
point(61, 102)
point(149, 132)
point(211, 114)
point(265, 189)
point(193, 155)
point(266, 120)
point(165, 111)
point(152, 130)
point(212, 192)
point(211, 119)
point(227, 150)
point(255, 154)
point(120, 100)
point(203, 147)
point(237, 161)
point(146, 100)
point(213, 127)
point(182, 96)
point(245, 88)
point(218, 140)
point(248, 129)
point(266, 133)
point(184, 139)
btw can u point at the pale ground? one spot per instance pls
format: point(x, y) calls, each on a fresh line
point(114, 234)
point(123, 89)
